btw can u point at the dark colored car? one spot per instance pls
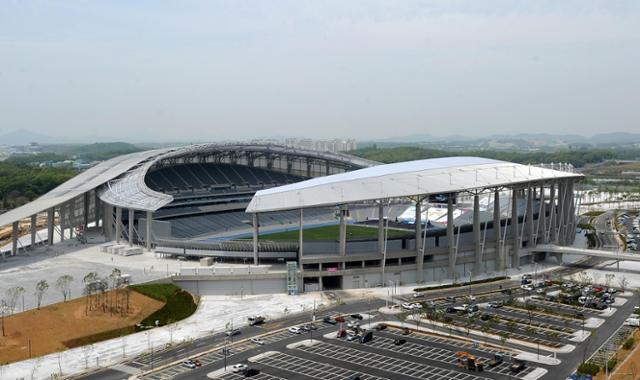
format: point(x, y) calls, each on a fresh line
point(356, 316)
point(497, 360)
point(366, 337)
point(517, 366)
point(381, 327)
point(399, 342)
point(329, 320)
point(250, 372)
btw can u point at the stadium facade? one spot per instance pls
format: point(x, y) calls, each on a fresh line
point(470, 215)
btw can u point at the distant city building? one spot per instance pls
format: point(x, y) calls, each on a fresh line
point(330, 145)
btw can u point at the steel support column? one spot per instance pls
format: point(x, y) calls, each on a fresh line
point(381, 228)
point(343, 231)
point(148, 229)
point(497, 220)
point(85, 210)
point(419, 251)
point(14, 238)
point(552, 214)
point(451, 237)
point(256, 230)
point(515, 253)
point(118, 224)
point(63, 220)
point(529, 220)
point(50, 225)
point(34, 229)
point(476, 235)
point(131, 220)
point(96, 209)
point(542, 219)
point(301, 238)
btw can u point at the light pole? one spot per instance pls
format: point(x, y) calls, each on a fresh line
point(469, 285)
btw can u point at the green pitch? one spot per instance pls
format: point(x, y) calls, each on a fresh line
point(330, 233)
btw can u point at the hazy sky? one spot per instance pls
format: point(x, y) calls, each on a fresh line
point(190, 70)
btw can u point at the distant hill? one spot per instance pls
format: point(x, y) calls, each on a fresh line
point(93, 152)
point(24, 137)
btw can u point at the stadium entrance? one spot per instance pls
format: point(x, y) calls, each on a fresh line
point(332, 283)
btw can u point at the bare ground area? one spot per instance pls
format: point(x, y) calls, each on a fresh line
point(628, 366)
point(54, 327)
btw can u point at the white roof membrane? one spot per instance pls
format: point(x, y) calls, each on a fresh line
point(402, 179)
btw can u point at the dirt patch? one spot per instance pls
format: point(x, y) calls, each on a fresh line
point(630, 369)
point(53, 327)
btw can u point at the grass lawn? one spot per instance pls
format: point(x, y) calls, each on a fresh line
point(330, 233)
point(178, 304)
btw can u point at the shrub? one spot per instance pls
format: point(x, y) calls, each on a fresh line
point(612, 363)
point(628, 344)
point(588, 369)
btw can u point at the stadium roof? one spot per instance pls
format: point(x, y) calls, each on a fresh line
point(80, 184)
point(403, 179)
point(121, 179)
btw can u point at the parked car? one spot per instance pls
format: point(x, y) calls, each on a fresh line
point(250, 372)
point(189, 364)
point(381, 327)
point(451, 298)
point(351, 336)
point(295, 330)
point(399, 341)
point(257, 340)
point(527, 287)
point(517, 366)
point(497, 360)
point(240, 367)
point(328, 319)
point(366, 337)
point(356, 316)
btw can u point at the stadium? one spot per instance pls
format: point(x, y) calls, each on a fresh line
point(269, 218)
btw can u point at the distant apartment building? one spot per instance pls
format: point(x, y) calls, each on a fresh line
point(328, 145)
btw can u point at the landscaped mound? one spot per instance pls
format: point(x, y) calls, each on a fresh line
point(178, 304)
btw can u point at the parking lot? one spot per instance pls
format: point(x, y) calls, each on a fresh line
point(386, 363)
point(311, 368)
point(438, 354)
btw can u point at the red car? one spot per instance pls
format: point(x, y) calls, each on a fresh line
point(197, 362)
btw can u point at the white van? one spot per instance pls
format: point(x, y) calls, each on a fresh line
point(635, 322)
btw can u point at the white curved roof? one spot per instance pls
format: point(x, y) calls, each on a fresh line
point(78, 185)
point(402, 179)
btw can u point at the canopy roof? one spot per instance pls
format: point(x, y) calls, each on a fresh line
point(402, 179)
point(78, 185)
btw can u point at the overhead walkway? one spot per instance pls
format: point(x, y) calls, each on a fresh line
point(614, 255)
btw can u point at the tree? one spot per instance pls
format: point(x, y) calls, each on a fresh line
point(41, 289)
point(13, 294)
point(63, 284)
point(89, 284)
point(623, 282)
point(608, 278)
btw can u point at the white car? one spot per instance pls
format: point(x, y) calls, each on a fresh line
point(258, 341)
point(239, 367)
point(527, 287)
point(295, 330)
point(411, 306)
